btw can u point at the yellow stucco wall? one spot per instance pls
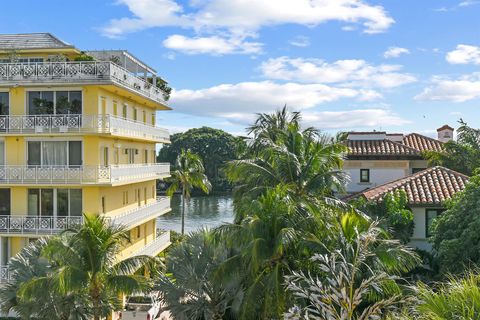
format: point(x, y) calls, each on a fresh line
point(96, 99)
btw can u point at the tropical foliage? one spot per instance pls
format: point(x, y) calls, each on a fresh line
point(462, 155)
point(189, 173)
point(81, 267)
point(455, 236)
point(358, 278)
point(304, 162)
point(392, 213)
point(195, 287)
point(215, 147)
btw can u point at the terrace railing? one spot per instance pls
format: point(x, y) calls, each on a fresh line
point(142, 213)
point(77, 123)
point(13, 174)
point(38, 225)
point(78, 72)
point(161, 242)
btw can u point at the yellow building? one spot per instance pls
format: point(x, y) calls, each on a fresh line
point(77, 136)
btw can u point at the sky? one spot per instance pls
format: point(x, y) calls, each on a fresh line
point(394, 65)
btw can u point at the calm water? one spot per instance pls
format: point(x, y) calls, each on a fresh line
point(208, 211)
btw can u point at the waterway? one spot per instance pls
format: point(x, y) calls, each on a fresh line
point(200, 212)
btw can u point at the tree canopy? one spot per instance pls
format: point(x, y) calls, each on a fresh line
point(456, 236)
point(462, 155)
point(214, 146)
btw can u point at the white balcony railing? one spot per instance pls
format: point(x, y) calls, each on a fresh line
point(82, 174)
point(137, 215)
point(156, 246)
point(77, 123)
point(4, 274)
point(78, 72)
point(37, 224)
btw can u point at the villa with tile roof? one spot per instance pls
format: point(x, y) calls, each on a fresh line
point(426, 192)
point(375, 158)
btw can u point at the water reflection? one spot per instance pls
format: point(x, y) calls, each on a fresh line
point(207, 211)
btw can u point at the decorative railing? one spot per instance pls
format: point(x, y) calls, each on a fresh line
point(75, 72)
point(77, 123)
point(137, 215)
point(5, 274)
point(37, 224)
point(82, 174)
point(161, 242)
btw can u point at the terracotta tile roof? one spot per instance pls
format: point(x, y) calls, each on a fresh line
point(383, 147)
point(422, 143)
point(431, 186)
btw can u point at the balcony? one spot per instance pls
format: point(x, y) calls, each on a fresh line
point(58, 175)
point(5, 274)
point(136, 216)
point(88, 72)
point(37, 225)
point(82, 124)
point(156, 246)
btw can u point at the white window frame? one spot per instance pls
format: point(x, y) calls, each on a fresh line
point(25, 110)
point(65, 139)
point(55, 208)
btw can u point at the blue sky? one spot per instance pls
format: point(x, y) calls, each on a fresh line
point(395, 65)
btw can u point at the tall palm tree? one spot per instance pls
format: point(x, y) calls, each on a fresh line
point(196, 288)
point(357, 279)
point(269, 243)
point(189, 173)
point(87, 263)
point(45, 303)
point(304, 162)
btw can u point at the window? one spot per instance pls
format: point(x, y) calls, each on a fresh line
point(54, 102)
point(364, 175)
point(125, 111)
point(103, 205)
point(5, 202)
point(144, 195)
point(130, 154)
point(139, 200)
point(30, 60)
point(4, 104)
point(125, 197)
point(55, 202)
point(430, 216)
point(54, 153)
point(144, 116)
point(115, 108)
point(139, 232)
point(2, 152)
point(145, 156)
point(153, 118)
point(105, 156)
point(135, 114)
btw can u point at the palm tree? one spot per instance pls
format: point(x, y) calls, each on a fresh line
point(196, 288)
point(87, 263)
point(358, 278)
point(268, 243)
point(189, 173)
point(304, 162)
point(45, 303)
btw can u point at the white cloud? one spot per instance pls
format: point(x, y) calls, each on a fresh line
point(214, 45)
point(300, 41)
point(462, 89)
point(239, 102)
point(246, 16)
point(346, 72)
point(353, 118)
point(464, 54)
point(395, 52)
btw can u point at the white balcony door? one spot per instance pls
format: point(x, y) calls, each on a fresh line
point(54, 102)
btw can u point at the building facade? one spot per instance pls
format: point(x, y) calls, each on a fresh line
point(376, 158)
point(426, 193)
point(77, 135)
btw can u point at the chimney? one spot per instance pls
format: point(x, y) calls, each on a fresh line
point(445, 133)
